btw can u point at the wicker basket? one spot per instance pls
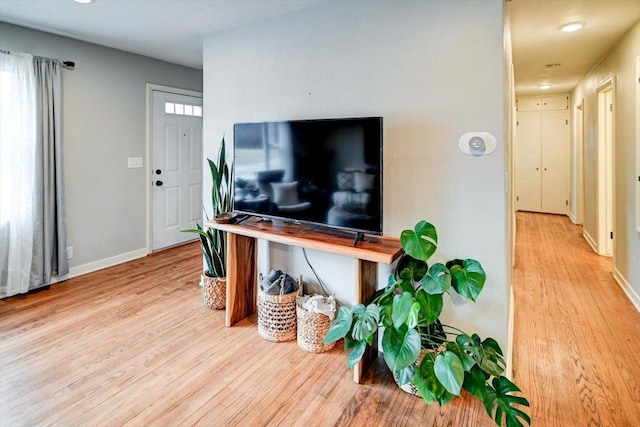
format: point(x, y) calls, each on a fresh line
point(277, 315)
point(312, 328)
point(214, 290)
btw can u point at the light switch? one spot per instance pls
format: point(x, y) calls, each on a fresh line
point(134, 162)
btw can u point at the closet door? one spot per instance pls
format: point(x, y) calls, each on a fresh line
point(555, 161)
point(528, 159)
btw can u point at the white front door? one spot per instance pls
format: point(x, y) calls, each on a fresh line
point(176, 159)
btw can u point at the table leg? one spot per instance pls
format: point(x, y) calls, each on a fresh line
point(242, 278)
point(366, 287)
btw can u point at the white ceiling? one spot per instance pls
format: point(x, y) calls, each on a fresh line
point(537, 40)
point(172, 30)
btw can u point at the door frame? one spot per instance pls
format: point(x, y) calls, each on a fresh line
point(151, 87)
point(638, 143)
point(577, 156)
point(604, 197)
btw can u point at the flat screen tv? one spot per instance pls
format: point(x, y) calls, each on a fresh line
point(324, 172)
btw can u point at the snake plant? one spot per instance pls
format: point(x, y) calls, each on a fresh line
point(213, 242)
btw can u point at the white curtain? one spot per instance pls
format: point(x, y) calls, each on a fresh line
point(18, 135)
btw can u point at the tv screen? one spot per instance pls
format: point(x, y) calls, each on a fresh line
point(324, 172)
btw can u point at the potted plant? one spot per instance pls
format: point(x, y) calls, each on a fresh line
point(213, 242)
point(439, 360)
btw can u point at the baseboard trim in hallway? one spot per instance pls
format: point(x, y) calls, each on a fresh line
point(626, 287)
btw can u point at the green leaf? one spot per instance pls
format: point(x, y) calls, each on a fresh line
point(381, 297)
point(421, 242)
point(475, 383)
point(491, 343)
point(356, 354)
point(426, 382)
point(366, 323)
point(486, 356)
point(469, 345)
point(500, 402)
point(358, 310)
point(491, 363)
point(405, 375)
point(467, 361)
point(411, 269)
point(349, 342)
point(340, 326)
point(401, 308)
point(468, 279)
point(401, 347)
point(445, 398)
point(449, 371)
point(407, 286)
point(414, 314)
point(437, 280)
point(430, 305)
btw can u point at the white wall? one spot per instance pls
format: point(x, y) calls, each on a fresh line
point(621, 64)
point(433, 70)
point(104, 113)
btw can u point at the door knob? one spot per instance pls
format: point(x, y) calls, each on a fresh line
point(158, 171)
point(159, 183)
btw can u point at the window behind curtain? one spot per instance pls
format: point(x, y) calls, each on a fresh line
point(17, 162)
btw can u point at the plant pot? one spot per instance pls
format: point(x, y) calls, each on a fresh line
point(410, 387)
point(214, 290)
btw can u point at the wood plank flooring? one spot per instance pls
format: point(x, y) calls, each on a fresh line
point(576, 335)
point(135, 345)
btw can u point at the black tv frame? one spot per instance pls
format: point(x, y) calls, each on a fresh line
point(360, 232)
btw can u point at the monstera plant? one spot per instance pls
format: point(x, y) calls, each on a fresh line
point(439, 360)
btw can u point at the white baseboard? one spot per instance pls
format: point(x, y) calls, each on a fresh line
point(572, 217)
point(90, 267)
point(510, 324)
point(626, 287)
point(590, 241)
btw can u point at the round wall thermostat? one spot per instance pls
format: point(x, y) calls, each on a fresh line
point(477, 143)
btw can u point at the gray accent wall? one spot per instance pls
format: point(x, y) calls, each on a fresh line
point(104, 123)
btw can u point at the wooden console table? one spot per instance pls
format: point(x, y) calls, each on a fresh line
point(242, 270)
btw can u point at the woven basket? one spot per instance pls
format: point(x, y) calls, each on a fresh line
point(214, 290)
point(312, 328)
point(277, 315)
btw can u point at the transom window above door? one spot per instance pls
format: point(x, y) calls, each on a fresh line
point(182, 109)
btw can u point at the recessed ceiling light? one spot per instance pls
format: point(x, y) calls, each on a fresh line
point(571, 27)
point(545, 87)
point(84, 1)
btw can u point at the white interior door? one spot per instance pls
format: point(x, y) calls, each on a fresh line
point(555, 161)
point(176, 167)
point(528, 159)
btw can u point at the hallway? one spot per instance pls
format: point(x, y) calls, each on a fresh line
point(576, 334)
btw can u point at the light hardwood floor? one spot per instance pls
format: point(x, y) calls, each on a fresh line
point(134, 345)
point(576, 334)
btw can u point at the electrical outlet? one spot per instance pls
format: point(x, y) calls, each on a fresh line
point(69, 252)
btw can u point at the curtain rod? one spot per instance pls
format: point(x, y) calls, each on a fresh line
point(65, 64)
